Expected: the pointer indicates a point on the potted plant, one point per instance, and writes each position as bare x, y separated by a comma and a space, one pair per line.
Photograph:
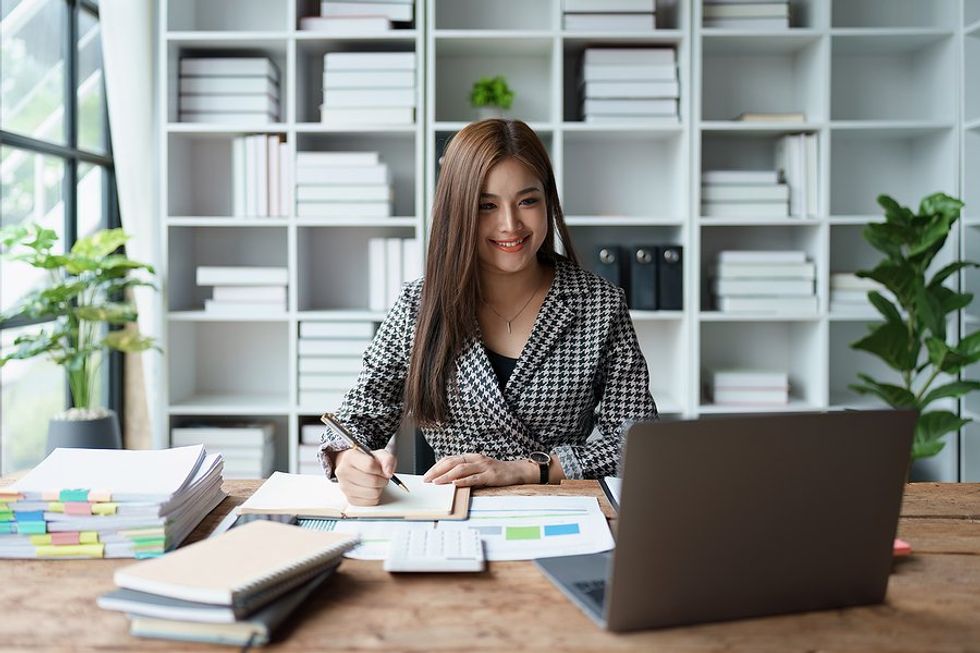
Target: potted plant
912, 338
491, 97
82, 296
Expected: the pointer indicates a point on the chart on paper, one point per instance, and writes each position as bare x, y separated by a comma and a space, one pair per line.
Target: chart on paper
524, 528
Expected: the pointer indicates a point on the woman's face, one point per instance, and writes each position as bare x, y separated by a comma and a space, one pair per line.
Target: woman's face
513, 218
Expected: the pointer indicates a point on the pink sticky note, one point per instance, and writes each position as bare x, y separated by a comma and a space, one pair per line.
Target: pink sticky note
902, 548
78, 508
64, 538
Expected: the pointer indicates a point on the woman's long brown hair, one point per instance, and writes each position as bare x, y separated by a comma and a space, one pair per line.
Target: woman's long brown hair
450, 293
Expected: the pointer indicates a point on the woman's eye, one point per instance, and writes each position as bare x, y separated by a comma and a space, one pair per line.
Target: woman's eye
530, 201
487, 206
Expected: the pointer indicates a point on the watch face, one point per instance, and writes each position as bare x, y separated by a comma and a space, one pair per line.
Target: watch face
540, 457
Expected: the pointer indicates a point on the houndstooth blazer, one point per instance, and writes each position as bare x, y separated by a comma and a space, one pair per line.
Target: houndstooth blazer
581, 368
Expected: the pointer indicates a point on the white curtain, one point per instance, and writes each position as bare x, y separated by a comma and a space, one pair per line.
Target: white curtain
128, 46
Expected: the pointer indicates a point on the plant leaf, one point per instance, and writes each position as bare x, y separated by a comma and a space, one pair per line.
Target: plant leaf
100, 244
113, 313
894, 395
933, 425
889, 342
954, 389
127, 340
884, 306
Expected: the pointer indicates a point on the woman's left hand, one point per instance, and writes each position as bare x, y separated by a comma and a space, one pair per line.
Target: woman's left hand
477, 470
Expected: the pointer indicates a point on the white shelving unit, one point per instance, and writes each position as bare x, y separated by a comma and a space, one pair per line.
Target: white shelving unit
873, 77
226, 367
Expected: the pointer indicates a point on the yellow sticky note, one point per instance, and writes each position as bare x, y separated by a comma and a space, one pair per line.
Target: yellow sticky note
104, 508
71, 551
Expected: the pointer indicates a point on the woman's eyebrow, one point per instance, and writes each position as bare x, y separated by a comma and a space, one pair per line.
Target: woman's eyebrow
520, 192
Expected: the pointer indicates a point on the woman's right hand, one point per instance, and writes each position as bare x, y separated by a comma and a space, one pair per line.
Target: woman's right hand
362, 478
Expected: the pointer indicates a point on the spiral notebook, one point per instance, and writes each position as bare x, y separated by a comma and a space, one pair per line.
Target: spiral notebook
245, 567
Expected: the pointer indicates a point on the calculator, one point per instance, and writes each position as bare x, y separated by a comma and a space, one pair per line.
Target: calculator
450, 549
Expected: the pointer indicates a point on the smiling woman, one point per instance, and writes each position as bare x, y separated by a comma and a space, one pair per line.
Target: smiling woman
507, 353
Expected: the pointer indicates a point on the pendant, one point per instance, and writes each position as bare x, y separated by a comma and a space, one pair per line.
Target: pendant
508, 328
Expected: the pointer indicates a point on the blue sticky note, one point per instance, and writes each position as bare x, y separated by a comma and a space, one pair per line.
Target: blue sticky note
561, 529
34, 515
73, 495
32, 528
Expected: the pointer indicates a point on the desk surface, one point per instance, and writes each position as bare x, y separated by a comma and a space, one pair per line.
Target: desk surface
933, 601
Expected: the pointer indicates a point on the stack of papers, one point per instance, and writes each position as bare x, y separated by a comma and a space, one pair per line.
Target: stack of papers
108, 503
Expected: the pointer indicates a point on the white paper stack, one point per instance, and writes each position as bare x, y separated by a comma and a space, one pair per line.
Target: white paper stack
330, 360
108, 503
849, 293
609, 15
244, 290
360, 17
369, 88
796, 159
744, 194
243, 90
749, 388
629, 84
764, 281
392, 262
248, 449
260, 176
342, 185
746, 14
309, 448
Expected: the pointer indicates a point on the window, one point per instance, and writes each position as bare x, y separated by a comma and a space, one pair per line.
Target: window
56, 169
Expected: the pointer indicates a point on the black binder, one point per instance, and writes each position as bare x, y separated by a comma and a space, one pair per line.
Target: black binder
670, 269
643, 278
610, 264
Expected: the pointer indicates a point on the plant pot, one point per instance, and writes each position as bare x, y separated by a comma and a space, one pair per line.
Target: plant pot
76, 430
484, 113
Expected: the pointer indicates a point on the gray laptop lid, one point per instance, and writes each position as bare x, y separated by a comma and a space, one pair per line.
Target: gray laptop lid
756, 515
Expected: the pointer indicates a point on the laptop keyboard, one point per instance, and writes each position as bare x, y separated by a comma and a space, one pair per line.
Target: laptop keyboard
594, 589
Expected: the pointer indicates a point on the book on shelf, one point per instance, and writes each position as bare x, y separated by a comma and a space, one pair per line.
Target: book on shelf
225, 86
638, 120
223, 435
747, 23
259, 169
411, 260
764, 270
791, 160
377, 274
774, 209
745, 193
345, 24
761, 256
262, 294
336, 329
368, 61
309, 435
749, 177
853, 296
630, 56
850, 281
313, 209
345, 193
610, 22
329, 364
394, 270
762, 287
343, 98
749, 378
337, 159
383, 116
609, 6
628, 72
757, 397
746, 10
243, 308
340, 382
767, 304
333, 346
342, 174
651, 107
392, 262
632, 89
755, 116
257, 103
229, 67
393, 11
214, 275
394, 79
244, 118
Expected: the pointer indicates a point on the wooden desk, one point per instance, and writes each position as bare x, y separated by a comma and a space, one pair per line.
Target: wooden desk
933, 601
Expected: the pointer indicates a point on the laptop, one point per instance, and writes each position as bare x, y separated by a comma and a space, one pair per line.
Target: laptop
727, 518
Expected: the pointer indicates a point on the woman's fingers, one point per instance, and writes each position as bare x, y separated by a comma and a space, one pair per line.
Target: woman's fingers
460, 471
443, 466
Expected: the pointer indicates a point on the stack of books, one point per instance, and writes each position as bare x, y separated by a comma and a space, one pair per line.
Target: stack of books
330, 360
359, 17
368, 88
244, 290
392, 262
248, 450
260, 176
629, 84
609, 15
342, 185
764, 281
309, 448
796, 159
233, 588
748, 194
849, 293
243, 90
108, 503
746, 14
752, 388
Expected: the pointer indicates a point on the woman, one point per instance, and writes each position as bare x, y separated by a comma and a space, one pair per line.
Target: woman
507, 353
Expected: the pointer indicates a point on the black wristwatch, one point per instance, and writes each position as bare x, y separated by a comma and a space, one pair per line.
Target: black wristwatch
543, 461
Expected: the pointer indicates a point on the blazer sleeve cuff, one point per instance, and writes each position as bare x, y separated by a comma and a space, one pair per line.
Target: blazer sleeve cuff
330, 446
568, 461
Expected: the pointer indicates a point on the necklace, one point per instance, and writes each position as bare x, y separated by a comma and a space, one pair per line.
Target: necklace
509, 331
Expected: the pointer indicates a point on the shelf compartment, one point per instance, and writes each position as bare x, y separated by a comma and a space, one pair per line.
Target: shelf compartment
190, 247
510, 15
307, 8
971, 89
768, 75
228, 15
795, 347
971, 172
664, 346
527, 64
228, 367
587, 240
280, 433
865, 164
624, 174
894, 13
892, 76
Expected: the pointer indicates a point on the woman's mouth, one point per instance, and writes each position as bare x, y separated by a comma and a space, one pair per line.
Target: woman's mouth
513, 245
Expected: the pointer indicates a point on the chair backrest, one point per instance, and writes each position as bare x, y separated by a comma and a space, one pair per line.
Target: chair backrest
425, 457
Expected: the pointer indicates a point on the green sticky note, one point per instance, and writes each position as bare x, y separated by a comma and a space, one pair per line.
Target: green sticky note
73, 495
523, 533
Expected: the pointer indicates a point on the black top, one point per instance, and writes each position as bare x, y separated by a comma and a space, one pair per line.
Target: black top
502, 366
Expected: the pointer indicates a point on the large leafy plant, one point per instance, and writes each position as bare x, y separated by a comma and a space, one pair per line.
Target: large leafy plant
82, 295
912, 339
492, 92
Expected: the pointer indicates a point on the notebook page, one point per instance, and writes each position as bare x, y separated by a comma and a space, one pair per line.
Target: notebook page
424, 498
297, 494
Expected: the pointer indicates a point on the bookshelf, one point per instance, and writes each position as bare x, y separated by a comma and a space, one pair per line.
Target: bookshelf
864, 72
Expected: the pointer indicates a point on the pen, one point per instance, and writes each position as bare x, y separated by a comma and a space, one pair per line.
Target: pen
333, 423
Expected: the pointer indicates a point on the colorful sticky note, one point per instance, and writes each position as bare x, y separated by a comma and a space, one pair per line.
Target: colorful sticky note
33, 515
31, 527
561, 529
523, 533
88, 537
104, 508
71, 551
73, 495
78, 508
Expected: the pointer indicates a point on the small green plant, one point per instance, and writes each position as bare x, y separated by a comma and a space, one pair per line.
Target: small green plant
912, 339
492, 92
80, 293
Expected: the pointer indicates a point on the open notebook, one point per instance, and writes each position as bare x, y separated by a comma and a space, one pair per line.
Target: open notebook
313, 495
